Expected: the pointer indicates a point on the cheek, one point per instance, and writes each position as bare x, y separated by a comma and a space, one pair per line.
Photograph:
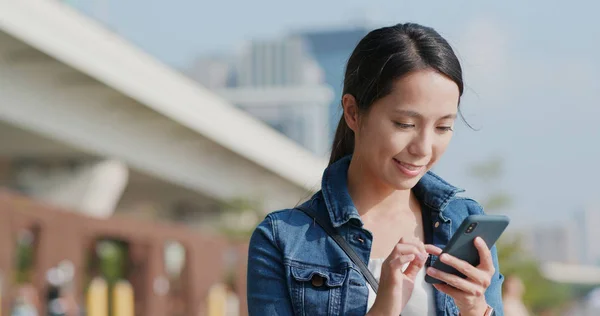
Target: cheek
370, 137
439, 148
385, 142
398, 142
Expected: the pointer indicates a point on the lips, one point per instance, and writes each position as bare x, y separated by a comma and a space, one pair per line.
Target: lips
408, 165
409, 169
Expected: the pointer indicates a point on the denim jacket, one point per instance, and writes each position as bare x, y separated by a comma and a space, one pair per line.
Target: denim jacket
294, 268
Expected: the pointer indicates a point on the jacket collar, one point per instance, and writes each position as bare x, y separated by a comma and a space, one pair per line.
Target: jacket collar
431, 190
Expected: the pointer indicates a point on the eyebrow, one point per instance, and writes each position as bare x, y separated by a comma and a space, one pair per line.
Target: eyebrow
410, 113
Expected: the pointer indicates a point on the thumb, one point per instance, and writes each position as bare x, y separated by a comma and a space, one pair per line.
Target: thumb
415, 266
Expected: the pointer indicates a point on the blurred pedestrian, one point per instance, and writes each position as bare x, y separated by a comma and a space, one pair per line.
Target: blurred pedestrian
513, 292
26, 301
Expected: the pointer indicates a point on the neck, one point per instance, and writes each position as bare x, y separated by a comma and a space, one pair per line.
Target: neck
371, 195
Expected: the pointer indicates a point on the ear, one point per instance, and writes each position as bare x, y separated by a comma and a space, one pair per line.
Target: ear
350, 111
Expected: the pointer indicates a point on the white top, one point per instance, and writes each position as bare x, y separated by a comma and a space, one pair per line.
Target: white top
421, 301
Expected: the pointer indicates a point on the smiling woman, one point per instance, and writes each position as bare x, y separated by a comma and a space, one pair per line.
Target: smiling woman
408, 130
381, 211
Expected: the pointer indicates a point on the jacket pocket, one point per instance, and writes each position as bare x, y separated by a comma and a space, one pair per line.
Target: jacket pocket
316, 290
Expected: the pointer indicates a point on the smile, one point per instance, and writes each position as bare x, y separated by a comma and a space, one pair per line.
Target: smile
407, 169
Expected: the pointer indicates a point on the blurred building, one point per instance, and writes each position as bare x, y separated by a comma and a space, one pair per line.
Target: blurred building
293, 83
91, 123
588, 221
278, 62
574, 240
554, 243
213, 72
331, 49
276, 81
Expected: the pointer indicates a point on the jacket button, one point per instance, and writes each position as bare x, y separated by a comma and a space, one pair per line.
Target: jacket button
317, 280
437, 224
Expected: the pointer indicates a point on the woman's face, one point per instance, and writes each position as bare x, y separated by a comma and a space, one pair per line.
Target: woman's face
404, 134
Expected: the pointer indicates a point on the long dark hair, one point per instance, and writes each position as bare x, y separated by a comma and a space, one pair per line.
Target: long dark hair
383, 56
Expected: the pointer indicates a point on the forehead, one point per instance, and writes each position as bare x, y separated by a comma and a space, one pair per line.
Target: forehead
426, 92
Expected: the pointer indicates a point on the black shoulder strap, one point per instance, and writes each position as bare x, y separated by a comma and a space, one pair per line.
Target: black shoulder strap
325, 224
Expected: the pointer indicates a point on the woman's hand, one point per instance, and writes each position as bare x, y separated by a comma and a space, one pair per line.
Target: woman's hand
469, 293
396, 286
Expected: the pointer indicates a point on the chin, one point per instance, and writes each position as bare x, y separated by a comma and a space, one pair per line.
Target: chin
406, 183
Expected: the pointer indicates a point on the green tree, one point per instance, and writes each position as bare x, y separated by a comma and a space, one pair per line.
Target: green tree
541, 294
239, 218
489, 173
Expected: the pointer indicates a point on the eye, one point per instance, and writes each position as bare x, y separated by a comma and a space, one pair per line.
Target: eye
403, 125
445, 128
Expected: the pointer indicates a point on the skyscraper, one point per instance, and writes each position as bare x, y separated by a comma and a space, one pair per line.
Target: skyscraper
278, 82
280, 62
588, 219
331, 49
556, 243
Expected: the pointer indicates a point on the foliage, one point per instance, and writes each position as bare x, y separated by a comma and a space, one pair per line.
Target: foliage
541, 294
24, 263
239, 218
489, 173
112, 256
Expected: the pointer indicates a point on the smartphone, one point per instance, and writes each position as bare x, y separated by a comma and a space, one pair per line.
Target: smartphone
462, 243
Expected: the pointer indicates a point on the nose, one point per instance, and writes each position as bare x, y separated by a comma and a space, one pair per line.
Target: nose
421, 144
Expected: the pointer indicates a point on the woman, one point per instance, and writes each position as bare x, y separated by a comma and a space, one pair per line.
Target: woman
401, 94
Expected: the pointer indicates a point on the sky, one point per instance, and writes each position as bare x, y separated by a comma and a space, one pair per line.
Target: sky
531, 70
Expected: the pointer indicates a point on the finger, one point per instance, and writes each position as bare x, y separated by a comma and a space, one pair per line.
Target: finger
444, 288
471, 272
433, 250
456, 282
414, 267
413, 241
485, 255
398, 262
405, 249
399, 255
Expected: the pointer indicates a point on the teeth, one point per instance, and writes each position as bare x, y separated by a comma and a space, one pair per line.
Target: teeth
409, 167
412, 168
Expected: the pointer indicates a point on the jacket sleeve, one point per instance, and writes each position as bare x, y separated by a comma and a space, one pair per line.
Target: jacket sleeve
266, 290
493, 295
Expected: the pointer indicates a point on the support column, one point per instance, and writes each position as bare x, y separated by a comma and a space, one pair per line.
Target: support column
157, 280
206, 266
241, 277
7, 254
90, 188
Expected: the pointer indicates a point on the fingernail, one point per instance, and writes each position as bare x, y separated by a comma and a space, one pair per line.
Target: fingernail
431, 271
444, 257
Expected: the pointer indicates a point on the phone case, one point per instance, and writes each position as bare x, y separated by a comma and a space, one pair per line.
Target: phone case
489, 228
